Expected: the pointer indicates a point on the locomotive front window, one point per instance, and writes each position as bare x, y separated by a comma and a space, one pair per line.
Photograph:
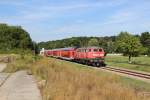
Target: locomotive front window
95, 50
100, 50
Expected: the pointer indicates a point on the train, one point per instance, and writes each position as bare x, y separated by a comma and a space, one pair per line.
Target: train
94, 56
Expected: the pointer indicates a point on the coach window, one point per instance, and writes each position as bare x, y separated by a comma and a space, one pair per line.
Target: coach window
83, 50
87, 50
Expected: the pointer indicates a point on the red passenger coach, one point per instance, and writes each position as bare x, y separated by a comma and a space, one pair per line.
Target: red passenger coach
67, 53
64, 53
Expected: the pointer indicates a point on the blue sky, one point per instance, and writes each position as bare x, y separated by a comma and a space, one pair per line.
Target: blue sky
56, 19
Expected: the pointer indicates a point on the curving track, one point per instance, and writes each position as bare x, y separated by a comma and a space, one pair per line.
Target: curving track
128, 72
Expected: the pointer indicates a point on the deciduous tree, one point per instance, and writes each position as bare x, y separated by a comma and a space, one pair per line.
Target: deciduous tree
128, 45
14, 37
93, 42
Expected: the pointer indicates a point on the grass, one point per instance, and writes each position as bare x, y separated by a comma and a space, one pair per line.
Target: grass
19, 63
141, 63
136, 84
70, 81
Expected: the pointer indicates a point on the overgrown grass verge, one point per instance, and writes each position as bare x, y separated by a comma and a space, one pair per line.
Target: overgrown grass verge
20, 63
68, 81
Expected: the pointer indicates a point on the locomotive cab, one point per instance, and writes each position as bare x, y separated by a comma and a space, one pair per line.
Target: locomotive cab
96, 56
95, 53
91, 55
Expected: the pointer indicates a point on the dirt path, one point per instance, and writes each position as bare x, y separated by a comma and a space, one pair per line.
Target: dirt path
18, 86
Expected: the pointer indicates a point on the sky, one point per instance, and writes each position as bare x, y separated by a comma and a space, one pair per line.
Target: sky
57, 19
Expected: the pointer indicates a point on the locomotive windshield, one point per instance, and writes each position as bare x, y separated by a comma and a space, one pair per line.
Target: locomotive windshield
100, 50
95, 50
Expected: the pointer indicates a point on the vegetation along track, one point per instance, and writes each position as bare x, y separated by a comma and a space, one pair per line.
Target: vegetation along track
124, 71
128, 72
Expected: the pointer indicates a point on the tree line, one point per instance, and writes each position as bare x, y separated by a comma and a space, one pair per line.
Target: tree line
14, 39
104, 42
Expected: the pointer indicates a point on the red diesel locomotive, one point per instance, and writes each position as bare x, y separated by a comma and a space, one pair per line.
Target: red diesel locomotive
89, 55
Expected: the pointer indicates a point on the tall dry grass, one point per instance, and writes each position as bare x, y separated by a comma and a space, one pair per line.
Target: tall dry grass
65, 81
19, 63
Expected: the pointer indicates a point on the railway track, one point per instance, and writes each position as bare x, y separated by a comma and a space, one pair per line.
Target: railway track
128, 72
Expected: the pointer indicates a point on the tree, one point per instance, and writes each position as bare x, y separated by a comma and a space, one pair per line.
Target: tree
145, 40
128, 45
110, 47
93, 42
13, 38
